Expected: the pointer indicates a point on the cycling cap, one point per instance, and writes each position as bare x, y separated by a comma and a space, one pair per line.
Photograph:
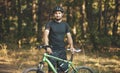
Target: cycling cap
58, 8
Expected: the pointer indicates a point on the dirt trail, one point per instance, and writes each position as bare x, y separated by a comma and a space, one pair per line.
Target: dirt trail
6, 67
16, 62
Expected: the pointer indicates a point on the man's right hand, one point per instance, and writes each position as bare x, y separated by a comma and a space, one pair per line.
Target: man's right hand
49, 51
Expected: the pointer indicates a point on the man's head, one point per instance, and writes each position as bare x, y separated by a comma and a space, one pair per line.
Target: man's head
58, 13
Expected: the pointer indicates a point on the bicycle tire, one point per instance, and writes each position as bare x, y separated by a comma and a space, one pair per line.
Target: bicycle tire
32, 70
83, 69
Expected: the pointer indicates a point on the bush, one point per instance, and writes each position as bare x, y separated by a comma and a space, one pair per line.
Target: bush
116, 41
103, 41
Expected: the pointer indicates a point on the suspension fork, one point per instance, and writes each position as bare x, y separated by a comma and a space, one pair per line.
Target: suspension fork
41, 65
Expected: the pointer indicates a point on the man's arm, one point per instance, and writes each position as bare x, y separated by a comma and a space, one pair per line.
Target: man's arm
70, 41
45, 37
46, 40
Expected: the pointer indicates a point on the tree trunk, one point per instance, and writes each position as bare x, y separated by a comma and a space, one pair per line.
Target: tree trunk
40, 16
68, 13
89, 15
100, 15
116, 22
82, 19
1, 30
19, 32
7, 22
105, 17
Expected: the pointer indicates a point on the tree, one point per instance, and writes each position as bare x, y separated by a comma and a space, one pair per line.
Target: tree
1, 19
116, 21
106, 18
100, 16
90, 20
40, 18
115, 31
19, 14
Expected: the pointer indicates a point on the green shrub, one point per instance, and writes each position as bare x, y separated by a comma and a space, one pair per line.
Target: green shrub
103, 41
116, 41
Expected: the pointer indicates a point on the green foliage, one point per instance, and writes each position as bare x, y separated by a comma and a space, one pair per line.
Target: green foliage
116, 40
103, 41
25, 18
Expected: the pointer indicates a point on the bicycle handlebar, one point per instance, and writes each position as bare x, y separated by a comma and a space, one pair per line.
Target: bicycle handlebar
75, 50
46, 46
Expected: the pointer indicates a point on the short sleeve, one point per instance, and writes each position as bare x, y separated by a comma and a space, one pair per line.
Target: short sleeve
47, 26
67, 28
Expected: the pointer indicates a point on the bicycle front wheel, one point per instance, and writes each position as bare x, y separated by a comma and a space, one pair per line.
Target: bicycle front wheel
33, 70
82, 69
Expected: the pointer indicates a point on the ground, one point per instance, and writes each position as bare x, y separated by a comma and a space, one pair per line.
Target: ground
6, 67
15, 61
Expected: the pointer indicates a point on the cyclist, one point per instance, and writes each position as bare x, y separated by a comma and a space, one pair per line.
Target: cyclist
54, 34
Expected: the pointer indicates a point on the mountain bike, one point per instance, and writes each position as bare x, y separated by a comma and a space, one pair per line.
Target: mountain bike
70, 66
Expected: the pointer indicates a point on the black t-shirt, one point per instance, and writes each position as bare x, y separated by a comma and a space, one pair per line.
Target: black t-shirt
57, 33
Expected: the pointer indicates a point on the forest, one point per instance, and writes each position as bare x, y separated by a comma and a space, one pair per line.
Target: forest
94, 24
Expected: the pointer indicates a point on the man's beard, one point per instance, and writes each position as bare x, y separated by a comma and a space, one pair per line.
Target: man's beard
58, 19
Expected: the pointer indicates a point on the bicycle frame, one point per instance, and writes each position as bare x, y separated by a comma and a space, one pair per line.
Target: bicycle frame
45, 59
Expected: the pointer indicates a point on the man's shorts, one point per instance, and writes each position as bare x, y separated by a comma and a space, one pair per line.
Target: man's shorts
60, 54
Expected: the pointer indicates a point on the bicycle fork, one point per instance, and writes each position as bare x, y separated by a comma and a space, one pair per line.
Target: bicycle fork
40, 66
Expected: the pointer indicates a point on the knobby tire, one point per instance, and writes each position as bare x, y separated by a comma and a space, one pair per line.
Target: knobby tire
83, 69
32, 70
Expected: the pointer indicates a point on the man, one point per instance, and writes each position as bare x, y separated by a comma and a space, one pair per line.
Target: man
54, 35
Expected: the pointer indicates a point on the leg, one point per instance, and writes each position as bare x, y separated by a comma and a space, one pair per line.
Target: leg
53, 61
64, 66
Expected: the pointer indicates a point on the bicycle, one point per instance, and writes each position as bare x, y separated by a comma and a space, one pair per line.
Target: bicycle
70, 69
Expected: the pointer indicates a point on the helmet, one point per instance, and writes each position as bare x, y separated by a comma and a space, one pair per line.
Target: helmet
58, 8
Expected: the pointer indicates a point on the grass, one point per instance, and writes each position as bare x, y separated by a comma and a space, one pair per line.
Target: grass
16, 60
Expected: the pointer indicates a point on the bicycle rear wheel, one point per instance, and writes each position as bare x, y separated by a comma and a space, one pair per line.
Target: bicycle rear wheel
83, 69
33, 70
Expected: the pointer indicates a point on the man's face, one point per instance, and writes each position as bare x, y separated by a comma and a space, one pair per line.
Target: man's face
58, 15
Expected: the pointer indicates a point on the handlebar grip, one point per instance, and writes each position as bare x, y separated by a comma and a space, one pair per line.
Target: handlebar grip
76, 50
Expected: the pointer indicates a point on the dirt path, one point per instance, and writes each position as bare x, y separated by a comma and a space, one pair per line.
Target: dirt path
16, 61
6, 67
